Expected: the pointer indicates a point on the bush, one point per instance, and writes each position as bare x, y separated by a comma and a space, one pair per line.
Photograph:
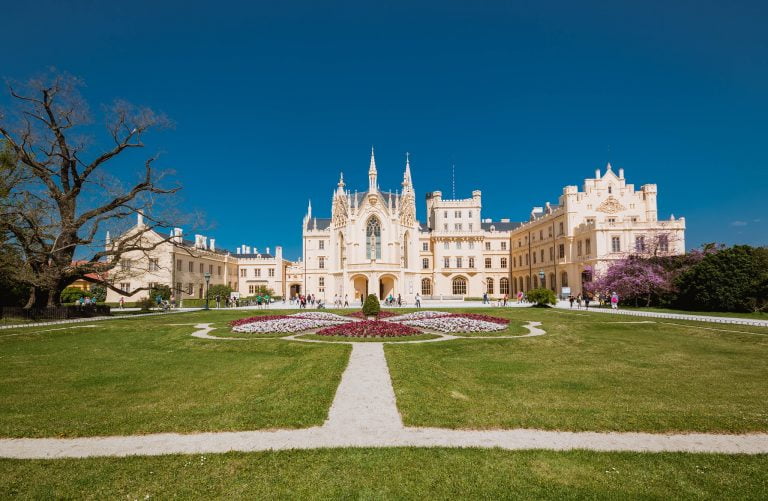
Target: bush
542, 297
160, 290
73, 294
371, 307
145, 304
99, 293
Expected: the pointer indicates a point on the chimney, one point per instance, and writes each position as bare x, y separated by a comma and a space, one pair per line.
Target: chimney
597, 173
278, 252
237, 251
139, 218
267, 250
213, 244
178, 235
203, 242
621, 173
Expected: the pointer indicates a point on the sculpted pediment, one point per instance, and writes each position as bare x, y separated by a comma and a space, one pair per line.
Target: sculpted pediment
611, 206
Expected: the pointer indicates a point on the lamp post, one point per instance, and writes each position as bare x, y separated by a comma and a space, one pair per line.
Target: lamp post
541, 278
207, 279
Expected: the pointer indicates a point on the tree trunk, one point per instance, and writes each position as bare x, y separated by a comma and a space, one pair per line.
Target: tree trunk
32, 297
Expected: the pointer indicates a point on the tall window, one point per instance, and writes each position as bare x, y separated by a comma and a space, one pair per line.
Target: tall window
640, 244
459, 262
560, 228
373, 239
504, 286
615, 244
191, 268
489, 286
471, 262
243, 271
257, 272
446, 245
446, 262
125, 264
321, 284
271, 272
426, 287
457, 214
487, 245
458, 245
178, 264
503, 245
503, 262
202, 268
459, 286
405, 249
425, 246
579, 248
425, 263
663, 243
588, 246
321, 244
487, 263
564, 279
471, 244
321, 262
154, 264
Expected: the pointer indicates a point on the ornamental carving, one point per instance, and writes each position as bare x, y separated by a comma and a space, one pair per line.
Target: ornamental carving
611, 206
408, 210
339, 211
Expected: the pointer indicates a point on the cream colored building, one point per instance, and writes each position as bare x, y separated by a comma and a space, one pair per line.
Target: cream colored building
372, 243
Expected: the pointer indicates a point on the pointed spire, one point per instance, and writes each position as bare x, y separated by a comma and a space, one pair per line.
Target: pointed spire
341, 180
372, 173
309, 209
407, 183
108, 239
608, 167
139, 218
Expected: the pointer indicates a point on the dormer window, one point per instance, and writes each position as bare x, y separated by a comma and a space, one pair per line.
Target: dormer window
610, 189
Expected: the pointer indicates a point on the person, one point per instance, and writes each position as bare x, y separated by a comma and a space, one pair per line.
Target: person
159, 300
571, 299
505, 299
587, 299
218, 301
614, 301
485, 298
346, 300
519, 297
399, 300
122, 302
173, 301
267, 300
418, 300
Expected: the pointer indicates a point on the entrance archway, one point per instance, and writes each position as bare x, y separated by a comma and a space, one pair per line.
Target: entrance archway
386, 286
295, 290
360, 286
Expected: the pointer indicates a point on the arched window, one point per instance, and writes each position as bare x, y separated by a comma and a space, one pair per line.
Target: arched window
552, 284
373, 239
543, 281
459, 286
504, 286
535, 281
564, 279
489, 286
342, 251
426, 287
527, 283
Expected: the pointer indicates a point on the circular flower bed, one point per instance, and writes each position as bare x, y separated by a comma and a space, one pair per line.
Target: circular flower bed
369, 328
452, 322
286, 323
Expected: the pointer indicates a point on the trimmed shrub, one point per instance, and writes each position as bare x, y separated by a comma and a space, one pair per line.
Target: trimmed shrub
222, 291
145, 304
99, 293
542, 297
73, 294
371, 307
160, 290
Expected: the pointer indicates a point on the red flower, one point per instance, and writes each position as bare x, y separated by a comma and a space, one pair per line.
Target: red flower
369, 328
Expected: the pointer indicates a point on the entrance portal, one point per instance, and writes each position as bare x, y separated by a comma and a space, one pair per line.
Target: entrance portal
295, 290
386, 286
360, 285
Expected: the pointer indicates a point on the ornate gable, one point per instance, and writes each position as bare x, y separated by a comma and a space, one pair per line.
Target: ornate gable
611, 206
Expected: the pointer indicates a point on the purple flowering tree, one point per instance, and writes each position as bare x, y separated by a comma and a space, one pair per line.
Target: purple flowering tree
633, 279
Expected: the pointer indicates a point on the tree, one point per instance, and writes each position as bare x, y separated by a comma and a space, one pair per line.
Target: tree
223, 291
371, 307
73, 294
734, 279
99, 293
542, 297
58, 198
633, 278
160, 290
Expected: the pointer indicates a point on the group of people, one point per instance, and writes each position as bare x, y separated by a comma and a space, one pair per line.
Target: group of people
392, 301
338, 302
602, 299
500, 301
303, 300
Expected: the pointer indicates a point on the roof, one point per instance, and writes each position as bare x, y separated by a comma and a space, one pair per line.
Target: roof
500, 226
323, 223
254, 255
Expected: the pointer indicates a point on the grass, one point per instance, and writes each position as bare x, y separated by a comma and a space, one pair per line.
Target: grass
143, 375
401, 339
589, 373
398, 473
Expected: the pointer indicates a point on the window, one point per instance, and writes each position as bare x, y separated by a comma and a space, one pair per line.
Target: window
459, 286
321, 262
154, 264
541, 234
190, 288
125, 264
610, 189
590, 220
504, 286
564, 279
202, 268
470, 226
471, 262
457, 214
579, 248
426, 287
271, 272
178, 266
256, 272
219, 271
321, 284
210, 269
457, 226
640, 244
588, 246
445, 226
487, 245
251, 289
471, 245
551, 253
615, 244
541, 253
526, 259
243, 272
503, 245
446, 246
125, 286
611, 221
191, 268
534, 257
549, 232
663, 243
425, 246
503, 262
321, 244
373, 239
458, 245
469, 214
425, 263
489, 286
179, 290
560, 229
459, 262
446, 262
445, 214
561, 251
487, 263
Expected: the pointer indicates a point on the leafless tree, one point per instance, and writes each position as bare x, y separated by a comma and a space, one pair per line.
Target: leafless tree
59, 198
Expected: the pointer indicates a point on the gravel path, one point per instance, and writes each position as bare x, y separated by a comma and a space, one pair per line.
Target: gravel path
673, 316
364, 414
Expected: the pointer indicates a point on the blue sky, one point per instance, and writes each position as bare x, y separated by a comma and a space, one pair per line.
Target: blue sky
272, 99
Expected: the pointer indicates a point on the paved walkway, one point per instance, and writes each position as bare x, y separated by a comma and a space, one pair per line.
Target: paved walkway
564, 305
364, 414
95, 319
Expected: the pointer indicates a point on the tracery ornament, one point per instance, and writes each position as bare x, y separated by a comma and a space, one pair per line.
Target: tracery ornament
339, 211
407, 210
611, 206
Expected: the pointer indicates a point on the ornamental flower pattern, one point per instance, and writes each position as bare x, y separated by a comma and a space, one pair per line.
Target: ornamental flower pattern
369, 328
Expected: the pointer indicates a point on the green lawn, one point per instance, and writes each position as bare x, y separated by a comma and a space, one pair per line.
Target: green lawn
747, 315
590, 372
392, 474
143, 375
